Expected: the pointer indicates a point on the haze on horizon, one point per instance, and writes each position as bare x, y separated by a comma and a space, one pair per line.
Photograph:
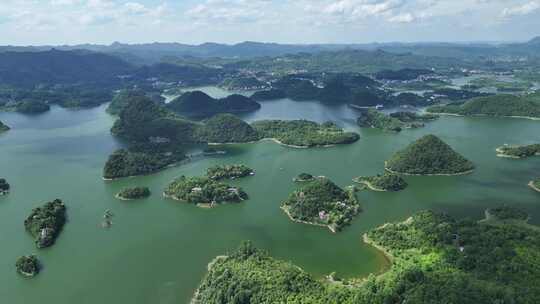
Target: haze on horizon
55, 22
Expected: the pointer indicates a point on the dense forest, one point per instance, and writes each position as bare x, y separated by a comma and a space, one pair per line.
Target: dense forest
519, 151
226, 128
27, 265
203, 190
134, 162
198, 104
383, 182
435, 259
428, 155
45, 223
219, 172
133, 193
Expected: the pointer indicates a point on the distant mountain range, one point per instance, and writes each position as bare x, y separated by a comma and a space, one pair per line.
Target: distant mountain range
155, 52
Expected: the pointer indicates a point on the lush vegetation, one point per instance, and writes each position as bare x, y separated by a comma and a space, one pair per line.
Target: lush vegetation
226, 128
133, 193
45, 223
124, 97
371, 118
322, 202
199, 104
4, 186
3, 127
412, 117
271, 94
126, 163
536, 184
497, 105
27, 265
304, 133
507, 213
220, 172
429, 155
304, 177
30, 107
384, 182
519, 151
203, 190
435, 259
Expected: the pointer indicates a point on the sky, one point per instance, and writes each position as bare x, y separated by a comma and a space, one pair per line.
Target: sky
58, 22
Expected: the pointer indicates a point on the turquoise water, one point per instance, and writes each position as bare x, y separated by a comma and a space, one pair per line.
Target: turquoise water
157, 250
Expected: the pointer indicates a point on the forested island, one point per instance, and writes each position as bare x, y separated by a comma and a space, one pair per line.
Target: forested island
3, 127
226, 128
27, 265
220, 172
126, 163
535, 185
518, 151
524, 106
303, 133
383, 182
124, 97
4, 186
198, 104
321, 202
203, 191
133, 193
303, 177
45, 223
433, 257
396, 122
428, 155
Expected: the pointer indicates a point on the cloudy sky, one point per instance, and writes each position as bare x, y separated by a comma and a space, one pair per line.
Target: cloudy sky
25, 22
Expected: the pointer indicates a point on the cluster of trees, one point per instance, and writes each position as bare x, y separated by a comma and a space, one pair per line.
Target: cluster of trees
136, 161
496, 105
428, 155
226, 128
323, 202
271, 94
304, 133
304, 177
520, 151
384, 182
134, 193
436, 259
27, 265
508, 213
371, 118
203, 190
4, 186
199, 104
45, 223
536, 183
413, 117
123, 98
220, 172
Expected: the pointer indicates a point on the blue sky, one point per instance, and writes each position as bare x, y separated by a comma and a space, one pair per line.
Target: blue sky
25, 22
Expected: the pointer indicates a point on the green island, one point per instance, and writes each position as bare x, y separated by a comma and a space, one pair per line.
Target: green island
535, 185
128, 163
303, 133
396, 122
429, 155
45, 223
303, 177
124, 97
503, 105
203, 191
433, 256
518, 151
383, 182
27, 265
199, 104
4, 186
3, 127
220, 172
133, 193
322, 203
226, 128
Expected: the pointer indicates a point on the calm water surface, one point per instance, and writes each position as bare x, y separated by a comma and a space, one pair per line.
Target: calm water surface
157, 250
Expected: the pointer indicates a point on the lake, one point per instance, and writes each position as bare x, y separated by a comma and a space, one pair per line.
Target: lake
157, 249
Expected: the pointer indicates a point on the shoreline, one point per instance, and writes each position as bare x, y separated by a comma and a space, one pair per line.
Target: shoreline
531, 184
275, 140
368, 184
486, 115
501, 153
432, 174
286, 210
383, 250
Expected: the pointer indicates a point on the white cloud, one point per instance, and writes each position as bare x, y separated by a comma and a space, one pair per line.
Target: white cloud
522, 9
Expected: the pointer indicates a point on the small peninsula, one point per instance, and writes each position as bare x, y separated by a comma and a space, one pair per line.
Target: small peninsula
322, 203
126, 163
385, 182
133, 193
3, 127
220, 172
502, 105
4, 186
518, 152
535, 185
304, 133
28, 265
303, 177
45, 223
429, 155
395, 122
203, 191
